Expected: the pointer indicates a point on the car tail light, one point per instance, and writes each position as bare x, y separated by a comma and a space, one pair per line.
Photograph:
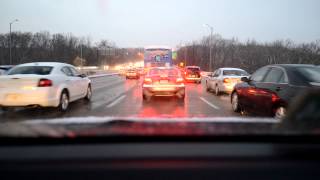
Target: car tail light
147, 80
44, 83
226, 80
179, 80
274, 97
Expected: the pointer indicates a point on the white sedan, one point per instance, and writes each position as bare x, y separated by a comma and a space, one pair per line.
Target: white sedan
43, 84
224, 79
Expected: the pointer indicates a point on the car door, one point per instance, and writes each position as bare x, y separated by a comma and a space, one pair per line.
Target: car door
70, 82
250, 93
275, 83
210, 79
79, 82
215, 78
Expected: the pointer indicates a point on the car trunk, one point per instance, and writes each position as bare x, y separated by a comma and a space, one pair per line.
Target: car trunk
19, 81
164, 80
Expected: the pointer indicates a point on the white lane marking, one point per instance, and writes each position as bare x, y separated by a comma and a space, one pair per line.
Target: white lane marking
116, 101
209, 103
93, 120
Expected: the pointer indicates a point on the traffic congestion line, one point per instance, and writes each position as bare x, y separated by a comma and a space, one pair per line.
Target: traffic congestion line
116, 101
210, 104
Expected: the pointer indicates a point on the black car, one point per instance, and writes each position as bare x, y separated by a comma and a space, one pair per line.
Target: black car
270, 89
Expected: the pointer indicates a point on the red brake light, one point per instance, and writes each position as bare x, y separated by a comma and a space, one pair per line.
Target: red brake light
45, 83
147, 80
227, 80
274, 97
179, 80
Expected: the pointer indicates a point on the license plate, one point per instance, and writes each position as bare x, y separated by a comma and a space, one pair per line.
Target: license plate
13, 97
163, 81
193, 76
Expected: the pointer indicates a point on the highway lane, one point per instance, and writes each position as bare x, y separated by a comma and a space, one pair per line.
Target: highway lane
116, 97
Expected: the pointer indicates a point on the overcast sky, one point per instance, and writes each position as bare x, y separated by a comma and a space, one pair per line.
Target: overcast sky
132, 23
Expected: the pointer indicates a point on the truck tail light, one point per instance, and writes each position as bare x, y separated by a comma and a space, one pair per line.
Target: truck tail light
45, 83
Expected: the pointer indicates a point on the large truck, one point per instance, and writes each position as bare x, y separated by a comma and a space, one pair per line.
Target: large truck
157, 56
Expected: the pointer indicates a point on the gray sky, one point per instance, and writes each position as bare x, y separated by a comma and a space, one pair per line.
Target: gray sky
132, 23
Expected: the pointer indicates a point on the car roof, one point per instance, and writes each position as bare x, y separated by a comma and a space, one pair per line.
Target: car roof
293, 65
45, 64
232, 69
163, 68
192, 67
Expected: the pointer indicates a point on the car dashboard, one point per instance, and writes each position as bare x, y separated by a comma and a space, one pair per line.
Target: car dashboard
243, 157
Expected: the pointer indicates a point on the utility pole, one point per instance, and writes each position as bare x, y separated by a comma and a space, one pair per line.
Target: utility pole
10, 54
211, 38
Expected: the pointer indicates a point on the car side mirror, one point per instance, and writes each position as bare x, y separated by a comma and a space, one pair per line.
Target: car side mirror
245, 79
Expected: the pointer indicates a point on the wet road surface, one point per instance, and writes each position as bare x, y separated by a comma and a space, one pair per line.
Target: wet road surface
114, 96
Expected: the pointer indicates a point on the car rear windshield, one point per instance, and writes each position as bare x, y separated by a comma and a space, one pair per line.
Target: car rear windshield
311, 74
234, 73
38, 70
168, 72
193, 69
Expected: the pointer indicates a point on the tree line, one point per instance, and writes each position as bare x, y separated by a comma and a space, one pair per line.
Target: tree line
43, 46
248, 55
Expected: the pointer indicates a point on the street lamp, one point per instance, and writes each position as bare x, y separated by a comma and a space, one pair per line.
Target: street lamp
211, 34
16, 20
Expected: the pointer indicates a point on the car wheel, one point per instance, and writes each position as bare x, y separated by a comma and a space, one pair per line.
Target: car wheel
64, 101
146, 98
89, 94
181, 98
217, 91
280, 112
235, 102
207, 87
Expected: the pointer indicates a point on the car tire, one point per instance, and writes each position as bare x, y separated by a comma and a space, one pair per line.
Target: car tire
146, 98
64, 101
207, 88
216, 91
89, 94
280, 112
235, 102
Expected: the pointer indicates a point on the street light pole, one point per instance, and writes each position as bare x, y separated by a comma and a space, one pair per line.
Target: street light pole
16, 20
211, 38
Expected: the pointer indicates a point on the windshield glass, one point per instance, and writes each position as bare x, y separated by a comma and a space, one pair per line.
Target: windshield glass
137, 67
312, 74
38, 70
234, 73
193, 69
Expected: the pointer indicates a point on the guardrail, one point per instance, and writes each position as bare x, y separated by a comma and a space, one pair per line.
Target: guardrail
103, 75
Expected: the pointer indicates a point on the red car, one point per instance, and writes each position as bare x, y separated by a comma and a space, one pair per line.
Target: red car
163, 81
192, 74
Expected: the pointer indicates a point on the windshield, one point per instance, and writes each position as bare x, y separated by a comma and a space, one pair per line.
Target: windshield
136, 67
193, 69
312, 74
38, 70
234, 73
